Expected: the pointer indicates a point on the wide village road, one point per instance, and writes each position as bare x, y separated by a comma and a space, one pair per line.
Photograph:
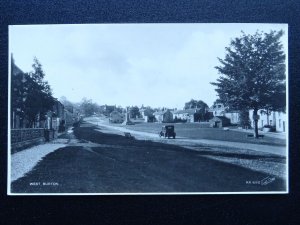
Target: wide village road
267, 158
186, 141
94, 159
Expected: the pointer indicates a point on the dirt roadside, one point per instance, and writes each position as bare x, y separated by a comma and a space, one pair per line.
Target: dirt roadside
262, 158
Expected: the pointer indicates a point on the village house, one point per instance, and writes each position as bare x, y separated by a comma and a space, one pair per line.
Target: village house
54, 117
15, 118
116, 117
18, 119
163, 116
69, 116
147, 114
272, 118
219, 121
277, 120
264, 118
58, 115
281, 121
189, 115
233, 116
45, 125
219, 109
107, 109
59, 118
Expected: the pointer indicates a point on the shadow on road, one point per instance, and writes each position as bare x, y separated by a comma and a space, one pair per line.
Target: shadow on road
138, 166
87, 133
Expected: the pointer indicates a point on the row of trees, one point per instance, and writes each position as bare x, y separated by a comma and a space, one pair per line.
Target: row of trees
253, 74
87, 107
31, 95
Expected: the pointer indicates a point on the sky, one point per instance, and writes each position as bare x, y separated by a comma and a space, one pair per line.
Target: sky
157, 65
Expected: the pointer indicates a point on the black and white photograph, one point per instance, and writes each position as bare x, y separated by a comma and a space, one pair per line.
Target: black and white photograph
148, 108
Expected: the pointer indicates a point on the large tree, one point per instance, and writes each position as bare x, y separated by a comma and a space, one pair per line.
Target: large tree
253, 74
134, 112
192, 104
37, 95
88, 107
201, 107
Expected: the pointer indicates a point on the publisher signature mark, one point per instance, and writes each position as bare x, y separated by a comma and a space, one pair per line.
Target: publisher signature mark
265, 181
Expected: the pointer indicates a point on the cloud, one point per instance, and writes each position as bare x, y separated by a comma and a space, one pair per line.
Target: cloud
129, 64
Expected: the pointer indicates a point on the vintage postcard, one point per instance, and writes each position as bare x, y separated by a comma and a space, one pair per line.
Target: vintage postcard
136, 109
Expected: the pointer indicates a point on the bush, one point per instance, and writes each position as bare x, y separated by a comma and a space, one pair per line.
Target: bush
272, 128
179, 120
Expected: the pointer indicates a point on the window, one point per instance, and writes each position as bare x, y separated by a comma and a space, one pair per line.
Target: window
271, 122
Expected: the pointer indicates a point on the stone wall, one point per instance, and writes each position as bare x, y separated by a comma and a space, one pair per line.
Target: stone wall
20, 135
24, 138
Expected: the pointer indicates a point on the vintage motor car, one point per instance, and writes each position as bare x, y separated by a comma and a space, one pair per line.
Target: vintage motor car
167, 131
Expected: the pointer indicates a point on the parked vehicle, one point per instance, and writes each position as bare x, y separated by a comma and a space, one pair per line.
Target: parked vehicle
167, 131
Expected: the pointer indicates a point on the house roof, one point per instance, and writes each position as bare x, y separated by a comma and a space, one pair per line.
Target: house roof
220, 118
16, 70
146, 110
115, 112
190, 111
160, 112
222, 108
233, 111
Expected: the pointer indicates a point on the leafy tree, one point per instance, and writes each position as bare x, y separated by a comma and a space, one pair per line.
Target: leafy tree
217, 101
88, 107
148, 111
120, 109
244, 119
134, 112
37, 98
192, 104
201, 109
253, 74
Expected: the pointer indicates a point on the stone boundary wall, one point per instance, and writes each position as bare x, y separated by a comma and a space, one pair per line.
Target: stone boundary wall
20, 135
24, 138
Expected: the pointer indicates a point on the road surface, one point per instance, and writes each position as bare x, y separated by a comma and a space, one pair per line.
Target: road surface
96, 160
189, 142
